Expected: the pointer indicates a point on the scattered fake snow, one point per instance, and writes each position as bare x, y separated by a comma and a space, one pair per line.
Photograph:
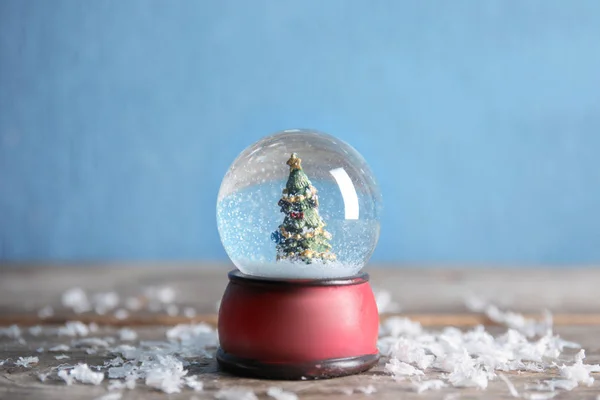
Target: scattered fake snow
65, 376
370, 389
74, 328
400, 369
384, 301
161, 364
93, 342
396, 326
59, 348
105, 302
12, 332
36, 330
579, 372
81, 373
46, 312
518, 322
26, 362
133, 303
77, 300
467, 359
164, 373
42, 377
126, 334
62, 357
159, 296
235, 394
121, 314
279, 394
193, 383
172, 310
202, 335
555, 384
475, 357
189, 312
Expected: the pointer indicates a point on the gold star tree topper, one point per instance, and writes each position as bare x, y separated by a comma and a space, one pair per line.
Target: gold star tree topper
294, 162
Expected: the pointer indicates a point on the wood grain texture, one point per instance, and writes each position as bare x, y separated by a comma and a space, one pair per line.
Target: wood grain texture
424, 290
20, 383
432, 297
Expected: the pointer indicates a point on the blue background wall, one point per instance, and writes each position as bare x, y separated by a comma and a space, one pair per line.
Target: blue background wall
481, 119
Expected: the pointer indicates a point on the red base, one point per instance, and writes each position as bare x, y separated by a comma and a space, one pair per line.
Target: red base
293, 329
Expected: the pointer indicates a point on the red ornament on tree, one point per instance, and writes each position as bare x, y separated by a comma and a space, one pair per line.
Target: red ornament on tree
297, 214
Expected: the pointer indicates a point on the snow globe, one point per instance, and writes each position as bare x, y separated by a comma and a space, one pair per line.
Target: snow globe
298, 215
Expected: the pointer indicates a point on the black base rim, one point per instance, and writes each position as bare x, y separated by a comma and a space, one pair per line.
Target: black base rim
237, 276
323, 369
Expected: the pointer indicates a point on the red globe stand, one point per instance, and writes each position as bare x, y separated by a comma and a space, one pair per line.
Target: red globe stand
297, 329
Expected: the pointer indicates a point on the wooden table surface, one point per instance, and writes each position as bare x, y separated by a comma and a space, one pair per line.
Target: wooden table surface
433, 297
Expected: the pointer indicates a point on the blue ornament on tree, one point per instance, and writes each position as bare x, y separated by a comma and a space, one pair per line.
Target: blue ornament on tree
277, 237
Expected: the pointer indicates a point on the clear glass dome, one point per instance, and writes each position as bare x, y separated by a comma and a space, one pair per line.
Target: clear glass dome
299, 204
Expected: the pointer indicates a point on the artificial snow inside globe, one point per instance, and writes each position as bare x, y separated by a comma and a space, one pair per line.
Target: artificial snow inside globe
299, 204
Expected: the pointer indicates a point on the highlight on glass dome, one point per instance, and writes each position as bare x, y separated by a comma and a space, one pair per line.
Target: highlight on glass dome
299, 204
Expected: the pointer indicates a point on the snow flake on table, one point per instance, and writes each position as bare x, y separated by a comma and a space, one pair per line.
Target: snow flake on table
46, 312
121, 314
164, 373
12, 332
59, 348
105, 302
81, 373
236, 393
369, 389
74, 328
400, 369
279, 394
384, 301
35, 330
126, 334
579, 372
472, 358
162, 364
152, 298
529, 327
26, 362
77, 300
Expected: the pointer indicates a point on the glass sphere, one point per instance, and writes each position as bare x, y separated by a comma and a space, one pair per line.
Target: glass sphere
299, 204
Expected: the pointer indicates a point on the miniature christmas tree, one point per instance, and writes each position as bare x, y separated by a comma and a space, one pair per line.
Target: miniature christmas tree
301, 236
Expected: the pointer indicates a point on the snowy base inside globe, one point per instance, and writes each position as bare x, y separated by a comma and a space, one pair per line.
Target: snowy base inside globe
285, 269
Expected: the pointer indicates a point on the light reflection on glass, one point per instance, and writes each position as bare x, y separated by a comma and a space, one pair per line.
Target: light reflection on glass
348, 191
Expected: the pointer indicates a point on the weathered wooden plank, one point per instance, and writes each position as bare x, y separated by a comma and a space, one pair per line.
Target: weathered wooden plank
136, 319
416, 290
